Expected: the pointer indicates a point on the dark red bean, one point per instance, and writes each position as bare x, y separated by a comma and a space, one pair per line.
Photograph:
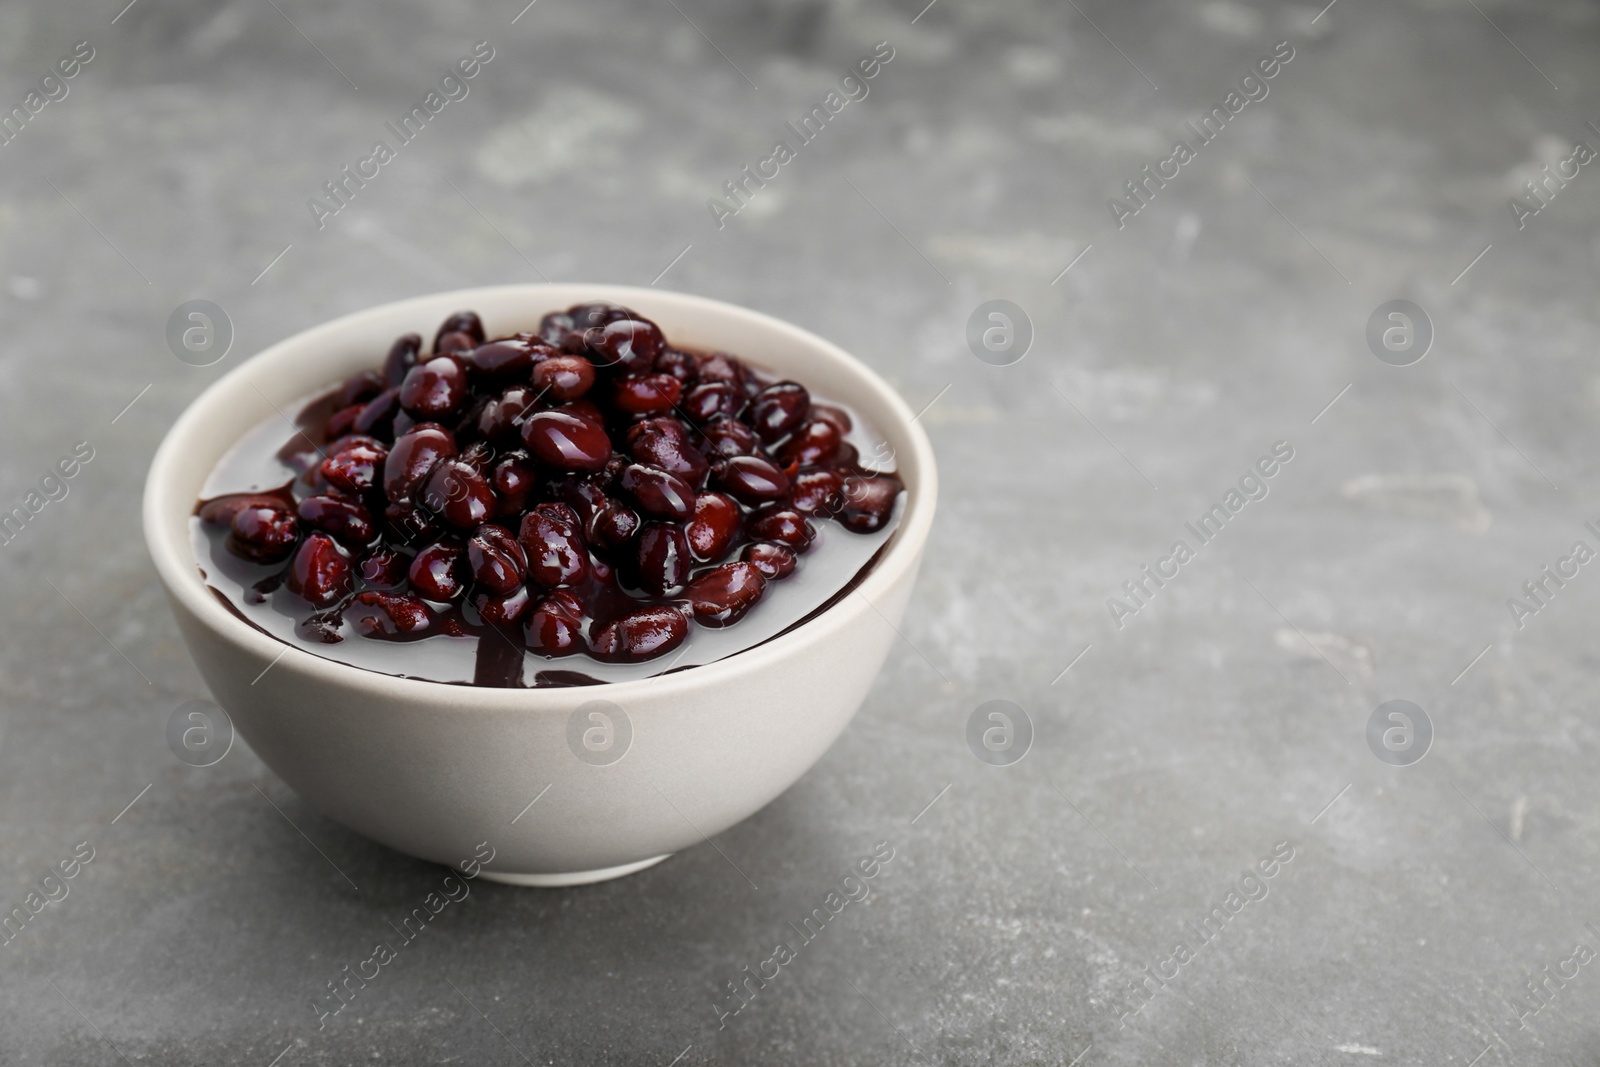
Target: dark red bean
458, 494
411, 524
355, 468
721, 367
774, 561
722, 596
814, 443
614, 526
664, 443
662, 566
632, 344
646, 394
502, 417
435, 388
565, 441
478, 455
512, 479
401, 358
377, 418
496, 559
439, 571
714, 526
501, 608
384, 568
320, 572
751, 479
684, 366
778, 410
555, 625
466, 322
564, 377
263, 531
599, 313
656, 492
502, 360
711, 400
349, 521
730, 437
554, 544
585, 498
836, 417
868, 501
817, 492
785, 525
644, 634
359, 388
376, 614
413, 457
342, 421
219, 511
555, 327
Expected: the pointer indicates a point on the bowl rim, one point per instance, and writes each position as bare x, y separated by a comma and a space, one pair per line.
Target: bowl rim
179, 572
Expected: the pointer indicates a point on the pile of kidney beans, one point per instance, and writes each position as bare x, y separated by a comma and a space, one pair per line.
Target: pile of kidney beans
588, 485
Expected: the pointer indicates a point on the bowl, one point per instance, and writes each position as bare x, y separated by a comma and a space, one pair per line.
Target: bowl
563, 785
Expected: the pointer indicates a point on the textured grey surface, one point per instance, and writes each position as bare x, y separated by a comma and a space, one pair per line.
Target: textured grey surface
1221, 720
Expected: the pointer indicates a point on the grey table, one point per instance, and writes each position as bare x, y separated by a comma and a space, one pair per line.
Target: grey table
1180, 741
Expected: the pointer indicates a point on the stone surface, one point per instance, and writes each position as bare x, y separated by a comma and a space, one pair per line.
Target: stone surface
1227, 715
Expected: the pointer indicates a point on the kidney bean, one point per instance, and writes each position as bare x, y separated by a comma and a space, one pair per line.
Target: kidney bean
714, 526
501, 418
554, 544
784, 525
721, 367
656, 492
641, 635
683, 366
778, 410
664, 443
263, 530
645, 394
401, 358
496, 559
555, 625
439, 572
613, 526
836, 417
662, 564
458, 494
359, 388
564, 377
817, 492
502, 360
751, 479
512, 479
354, 467
711, 400
376, 614
868, 501
724, 595
501, 608
377, 418
348, 521
434, 389
413, 457
774, 561
730, 437
813, 443
319, 572
384, 568
632, 344
466, 322
565, 441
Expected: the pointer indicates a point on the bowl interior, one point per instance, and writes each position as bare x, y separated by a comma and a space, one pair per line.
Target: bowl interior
273, 381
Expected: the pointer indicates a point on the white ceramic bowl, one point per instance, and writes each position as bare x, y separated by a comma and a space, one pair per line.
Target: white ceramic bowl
434, 770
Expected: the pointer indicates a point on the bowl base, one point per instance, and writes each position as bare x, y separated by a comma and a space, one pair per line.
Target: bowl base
555, 881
